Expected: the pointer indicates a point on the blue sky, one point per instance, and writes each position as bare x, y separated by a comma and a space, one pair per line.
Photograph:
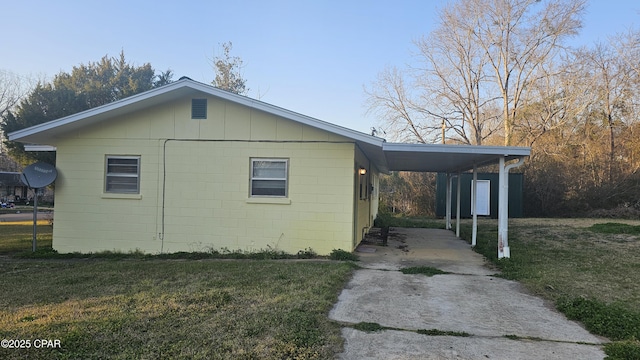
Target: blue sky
312, 57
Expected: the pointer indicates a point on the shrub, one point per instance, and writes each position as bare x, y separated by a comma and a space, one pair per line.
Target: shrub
383, 220
307, 253
337, 254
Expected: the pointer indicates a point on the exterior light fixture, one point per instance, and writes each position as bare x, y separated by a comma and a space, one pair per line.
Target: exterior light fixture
362, 171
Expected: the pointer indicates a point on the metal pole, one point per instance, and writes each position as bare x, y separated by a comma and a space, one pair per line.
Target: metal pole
458, 204
502, 211
505, 219
474, 206
35, 219
448, 206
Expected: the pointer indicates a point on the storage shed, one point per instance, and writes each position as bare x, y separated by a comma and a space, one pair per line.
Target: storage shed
487, 195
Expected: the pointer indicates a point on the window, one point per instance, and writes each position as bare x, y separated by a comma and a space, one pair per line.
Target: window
269, 177
198, 108
122, 174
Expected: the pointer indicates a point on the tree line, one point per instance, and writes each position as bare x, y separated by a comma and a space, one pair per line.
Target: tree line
25, 102
503, 72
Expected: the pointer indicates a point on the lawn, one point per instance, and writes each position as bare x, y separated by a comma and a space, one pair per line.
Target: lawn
590, 268
146, 307
569, 258
17, 237
124, 308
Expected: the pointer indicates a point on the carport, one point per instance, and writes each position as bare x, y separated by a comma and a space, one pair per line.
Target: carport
454, 160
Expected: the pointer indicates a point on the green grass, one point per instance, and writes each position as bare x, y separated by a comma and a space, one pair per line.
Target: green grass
17, 238
425, 270
615, 228
268, 254
411, 222
369, 327
623, 350
436, 332
123, 306
590, 270
342, 255
242, 309
375, 327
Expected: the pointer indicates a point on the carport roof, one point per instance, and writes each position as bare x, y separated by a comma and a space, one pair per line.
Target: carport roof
446, 158
384, 156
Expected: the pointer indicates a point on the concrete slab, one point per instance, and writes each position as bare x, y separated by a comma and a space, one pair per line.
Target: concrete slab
468, 300
426, 247
391, 345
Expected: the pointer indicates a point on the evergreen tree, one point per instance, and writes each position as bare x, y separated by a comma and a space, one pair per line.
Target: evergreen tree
87, 86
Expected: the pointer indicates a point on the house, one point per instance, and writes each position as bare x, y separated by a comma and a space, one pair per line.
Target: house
487, 199
11, 187
189, 167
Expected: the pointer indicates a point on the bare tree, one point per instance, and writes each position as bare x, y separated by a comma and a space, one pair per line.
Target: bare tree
518, 37
627, 46
555, 101
13, 88
227, 69
456, 82
391, 101
479, 64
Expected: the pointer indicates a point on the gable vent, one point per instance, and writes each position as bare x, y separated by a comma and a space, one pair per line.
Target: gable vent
198, 108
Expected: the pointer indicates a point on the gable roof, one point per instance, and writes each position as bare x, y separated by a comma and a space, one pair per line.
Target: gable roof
42, 134
384, 156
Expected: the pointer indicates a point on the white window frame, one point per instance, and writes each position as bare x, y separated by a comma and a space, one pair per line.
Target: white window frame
253, 178
110, 176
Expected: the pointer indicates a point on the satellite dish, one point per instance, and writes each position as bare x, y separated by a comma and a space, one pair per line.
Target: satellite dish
38, 175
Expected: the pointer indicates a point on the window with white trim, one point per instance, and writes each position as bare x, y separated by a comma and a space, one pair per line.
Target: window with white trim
269, 177
122, 174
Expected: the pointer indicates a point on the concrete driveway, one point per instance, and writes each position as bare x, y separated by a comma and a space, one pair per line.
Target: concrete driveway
468, 300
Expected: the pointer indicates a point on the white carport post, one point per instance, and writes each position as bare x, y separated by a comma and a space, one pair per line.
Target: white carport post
503, 207
503, 215
448, 200
458, 205
474, 206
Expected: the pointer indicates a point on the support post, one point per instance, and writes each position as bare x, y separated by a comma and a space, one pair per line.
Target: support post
474, 206
502, 213
448, 200
458, 204
35, 220
503, 208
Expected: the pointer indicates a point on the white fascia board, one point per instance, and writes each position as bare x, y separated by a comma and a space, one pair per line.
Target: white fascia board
19, 134
37, 148
188, 83
459, 149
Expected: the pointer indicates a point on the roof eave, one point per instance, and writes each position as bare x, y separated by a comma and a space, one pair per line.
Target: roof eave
31, 133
